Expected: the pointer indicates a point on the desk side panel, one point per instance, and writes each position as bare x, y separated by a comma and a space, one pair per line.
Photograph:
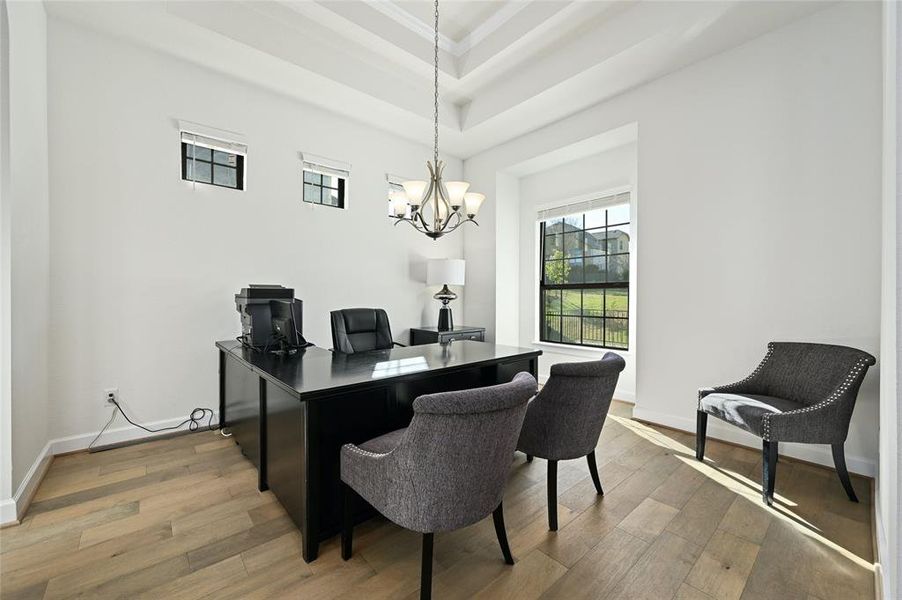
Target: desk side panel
286, 442
242, 407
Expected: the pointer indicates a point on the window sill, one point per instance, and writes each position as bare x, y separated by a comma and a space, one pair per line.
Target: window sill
578, 350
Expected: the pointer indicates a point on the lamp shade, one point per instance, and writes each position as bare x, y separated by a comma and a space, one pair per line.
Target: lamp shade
443, 271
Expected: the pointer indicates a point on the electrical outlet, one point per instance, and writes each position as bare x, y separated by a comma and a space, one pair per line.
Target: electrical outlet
110, 396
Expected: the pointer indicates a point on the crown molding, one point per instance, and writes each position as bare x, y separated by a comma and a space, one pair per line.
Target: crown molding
456, 49
402, 17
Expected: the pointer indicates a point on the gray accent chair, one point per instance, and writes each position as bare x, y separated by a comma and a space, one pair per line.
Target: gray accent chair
800, 392
565, 419
446, 470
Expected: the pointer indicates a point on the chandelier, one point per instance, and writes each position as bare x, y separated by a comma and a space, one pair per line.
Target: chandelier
435, 207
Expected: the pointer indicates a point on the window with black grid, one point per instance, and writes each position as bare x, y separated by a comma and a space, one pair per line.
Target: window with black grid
214, 167
325, 189
584, 284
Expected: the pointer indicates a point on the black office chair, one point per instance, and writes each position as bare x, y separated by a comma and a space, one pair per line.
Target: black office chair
360, 330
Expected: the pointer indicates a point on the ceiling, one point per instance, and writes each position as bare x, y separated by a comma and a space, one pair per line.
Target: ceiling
506, 67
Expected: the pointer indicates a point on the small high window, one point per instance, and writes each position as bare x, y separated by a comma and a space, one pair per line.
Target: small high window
324, 189
213, 161
325, 181
394, 187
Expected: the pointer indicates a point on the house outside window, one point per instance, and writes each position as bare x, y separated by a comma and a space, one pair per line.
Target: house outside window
585, 274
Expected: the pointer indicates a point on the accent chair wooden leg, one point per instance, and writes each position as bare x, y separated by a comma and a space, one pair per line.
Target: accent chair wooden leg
501, 532
768, 471
529, 458
426, 568
552, 495
839, 459
701, 433
593, 470
347, 520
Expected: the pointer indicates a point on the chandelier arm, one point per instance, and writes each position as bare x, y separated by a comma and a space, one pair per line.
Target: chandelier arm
450, 229
427, 195
454, 214
424, 226
410, 222
448, 211
458, 224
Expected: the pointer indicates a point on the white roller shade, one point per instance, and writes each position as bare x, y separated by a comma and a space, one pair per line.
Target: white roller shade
325, 166
583, 206
215, 139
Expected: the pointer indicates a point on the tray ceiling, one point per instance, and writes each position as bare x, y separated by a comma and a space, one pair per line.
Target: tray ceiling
507, 67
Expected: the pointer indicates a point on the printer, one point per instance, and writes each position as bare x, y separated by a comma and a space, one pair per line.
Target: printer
257, 303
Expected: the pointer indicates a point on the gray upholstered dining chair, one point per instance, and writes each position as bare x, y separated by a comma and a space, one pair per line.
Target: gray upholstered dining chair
800, 392
446, 470
564, 420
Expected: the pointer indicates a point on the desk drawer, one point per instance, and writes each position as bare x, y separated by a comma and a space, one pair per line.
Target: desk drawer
476, 336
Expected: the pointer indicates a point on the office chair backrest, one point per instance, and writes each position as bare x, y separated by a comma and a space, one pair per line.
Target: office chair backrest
360, 330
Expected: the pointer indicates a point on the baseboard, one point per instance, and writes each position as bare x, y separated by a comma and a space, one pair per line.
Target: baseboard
119, 435
13, 509
814, 453
8, 512
32, 480
624, 396
882, 554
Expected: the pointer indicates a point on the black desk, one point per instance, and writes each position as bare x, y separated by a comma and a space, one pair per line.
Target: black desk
291, 415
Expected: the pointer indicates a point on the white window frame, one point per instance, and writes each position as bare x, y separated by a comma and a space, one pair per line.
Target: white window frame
222, 140
573, 349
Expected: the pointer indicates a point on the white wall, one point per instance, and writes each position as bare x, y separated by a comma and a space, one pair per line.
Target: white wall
888, 511
144, 268
7, 507
752, 164
599, 173
29, 235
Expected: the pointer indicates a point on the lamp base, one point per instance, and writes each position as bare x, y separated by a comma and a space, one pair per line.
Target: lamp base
445, 319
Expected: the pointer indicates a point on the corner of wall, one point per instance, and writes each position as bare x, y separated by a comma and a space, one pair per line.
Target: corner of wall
25, 248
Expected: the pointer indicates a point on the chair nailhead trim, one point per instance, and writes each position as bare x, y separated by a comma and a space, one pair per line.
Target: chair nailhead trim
734, 385
362, 452
836, 395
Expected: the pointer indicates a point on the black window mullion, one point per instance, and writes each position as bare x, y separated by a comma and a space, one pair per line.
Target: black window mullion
544, 288
581, 302
340, 192
238, 168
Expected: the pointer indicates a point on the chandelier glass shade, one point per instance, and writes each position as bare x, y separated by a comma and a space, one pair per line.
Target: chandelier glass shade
435, 207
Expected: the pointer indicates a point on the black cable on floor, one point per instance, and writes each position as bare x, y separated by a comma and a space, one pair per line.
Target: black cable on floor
194, 421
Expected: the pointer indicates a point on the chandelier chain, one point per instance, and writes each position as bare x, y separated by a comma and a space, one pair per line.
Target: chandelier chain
436, 84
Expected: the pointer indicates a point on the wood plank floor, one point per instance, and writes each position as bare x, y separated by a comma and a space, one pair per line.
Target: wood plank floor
181, 518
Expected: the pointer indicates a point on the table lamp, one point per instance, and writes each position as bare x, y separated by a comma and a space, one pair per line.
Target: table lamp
445, 272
